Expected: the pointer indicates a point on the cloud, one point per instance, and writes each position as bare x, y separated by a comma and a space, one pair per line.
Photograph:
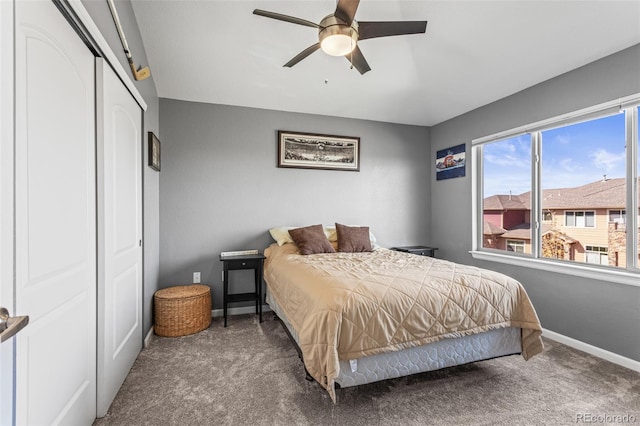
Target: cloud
608, 161
513, 153
512, 161
569, 165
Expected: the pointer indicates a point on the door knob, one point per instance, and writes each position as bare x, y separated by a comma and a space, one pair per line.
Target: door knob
4, 317
9, 326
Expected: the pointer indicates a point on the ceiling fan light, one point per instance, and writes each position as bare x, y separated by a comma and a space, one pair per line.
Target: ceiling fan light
337, 38
337, 44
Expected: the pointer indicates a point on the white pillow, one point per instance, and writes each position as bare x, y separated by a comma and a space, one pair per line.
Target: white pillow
281, 234
330, 232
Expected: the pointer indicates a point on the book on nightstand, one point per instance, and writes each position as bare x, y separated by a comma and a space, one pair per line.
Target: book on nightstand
238, 253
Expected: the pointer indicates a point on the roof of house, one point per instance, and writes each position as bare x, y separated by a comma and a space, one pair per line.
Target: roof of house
601, 194
561, 235
504, 202
523, 232
492, 229
605, 193
520, 232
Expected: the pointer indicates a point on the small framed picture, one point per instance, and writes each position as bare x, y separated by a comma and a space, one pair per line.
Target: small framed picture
154, 152
450, 162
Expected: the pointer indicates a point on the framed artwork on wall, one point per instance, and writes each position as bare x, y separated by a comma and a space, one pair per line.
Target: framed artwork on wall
154, 152
316, 151
450, 162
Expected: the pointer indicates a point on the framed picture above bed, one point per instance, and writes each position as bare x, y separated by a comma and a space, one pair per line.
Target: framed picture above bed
316, 151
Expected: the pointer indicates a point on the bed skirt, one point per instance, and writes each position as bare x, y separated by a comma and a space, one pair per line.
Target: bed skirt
441, 354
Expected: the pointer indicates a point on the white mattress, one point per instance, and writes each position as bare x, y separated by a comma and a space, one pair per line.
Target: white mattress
440, 354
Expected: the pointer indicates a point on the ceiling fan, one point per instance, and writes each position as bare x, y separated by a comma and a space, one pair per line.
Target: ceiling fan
339, 33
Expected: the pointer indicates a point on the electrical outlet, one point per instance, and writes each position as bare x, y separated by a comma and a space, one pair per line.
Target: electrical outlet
196, 277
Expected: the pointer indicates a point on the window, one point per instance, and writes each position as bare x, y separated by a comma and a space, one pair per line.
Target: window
597, 255
570, 219
618, 216
580, 219
553, 189
582, 164
515, 246
505, 200
637, 177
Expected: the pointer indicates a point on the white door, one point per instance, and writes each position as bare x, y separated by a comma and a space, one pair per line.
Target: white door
55, 219
6, 205
119, 233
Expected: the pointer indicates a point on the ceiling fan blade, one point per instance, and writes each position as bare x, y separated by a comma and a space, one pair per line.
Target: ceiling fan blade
391, 28
285, 18
346, 10
358, 61
300, 56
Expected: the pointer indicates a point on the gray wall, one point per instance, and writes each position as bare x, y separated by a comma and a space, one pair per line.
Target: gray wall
600, 313
101, 15
221, 189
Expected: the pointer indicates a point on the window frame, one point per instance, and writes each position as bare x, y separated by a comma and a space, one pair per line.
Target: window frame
599, 250
621, 212
584, 216
516, 243
629, 275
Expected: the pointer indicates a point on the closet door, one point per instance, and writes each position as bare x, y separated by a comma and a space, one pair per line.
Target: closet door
119, 233
55, 219
6, 206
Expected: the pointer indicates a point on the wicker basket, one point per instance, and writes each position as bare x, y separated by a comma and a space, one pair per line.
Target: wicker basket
182, 310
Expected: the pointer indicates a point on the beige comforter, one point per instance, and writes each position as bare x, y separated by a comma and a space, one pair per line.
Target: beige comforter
348, 305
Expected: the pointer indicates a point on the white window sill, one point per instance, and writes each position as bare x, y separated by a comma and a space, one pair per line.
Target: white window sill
620, 276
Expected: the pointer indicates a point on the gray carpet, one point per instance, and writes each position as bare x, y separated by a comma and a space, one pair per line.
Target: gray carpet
249, 373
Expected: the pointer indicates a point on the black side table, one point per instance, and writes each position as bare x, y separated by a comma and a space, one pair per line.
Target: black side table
234, 263
419, 250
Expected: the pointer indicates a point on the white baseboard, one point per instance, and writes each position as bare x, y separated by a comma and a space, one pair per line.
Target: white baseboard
239, 310
593, 350
148, 337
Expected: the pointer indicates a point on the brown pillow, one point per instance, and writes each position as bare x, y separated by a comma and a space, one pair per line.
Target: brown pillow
311, 240
353, 239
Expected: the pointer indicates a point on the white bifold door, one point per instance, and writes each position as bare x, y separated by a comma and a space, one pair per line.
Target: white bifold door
119, 233
77, 274
55, 219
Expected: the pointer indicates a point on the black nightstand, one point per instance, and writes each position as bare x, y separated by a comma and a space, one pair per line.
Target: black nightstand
234, 263
419, 250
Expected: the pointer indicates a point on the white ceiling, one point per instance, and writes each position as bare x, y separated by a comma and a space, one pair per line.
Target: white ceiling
473, 53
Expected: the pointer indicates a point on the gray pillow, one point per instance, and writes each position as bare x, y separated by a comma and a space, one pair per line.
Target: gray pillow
353, 239
311, 240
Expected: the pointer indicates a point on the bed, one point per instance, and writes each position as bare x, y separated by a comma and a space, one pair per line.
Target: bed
360, 316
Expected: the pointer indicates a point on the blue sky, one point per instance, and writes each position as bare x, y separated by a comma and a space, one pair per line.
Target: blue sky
573, 155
